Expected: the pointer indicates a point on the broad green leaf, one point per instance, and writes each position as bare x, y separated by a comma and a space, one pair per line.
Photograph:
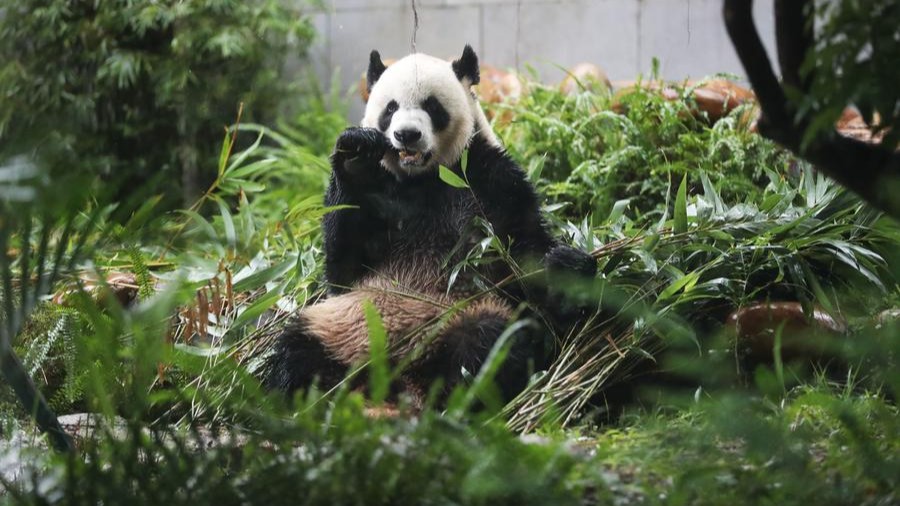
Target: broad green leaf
256, 167
204, 225
144, 213
680, 226
257, 308
618, 210
685, 283
449, 177
709, 191
379, 368
260, 278
227, 221
226, 150
243, 155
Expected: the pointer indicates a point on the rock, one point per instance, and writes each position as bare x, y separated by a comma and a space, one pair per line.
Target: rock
714, 98
498, 86
886, 317
585, 77
851, 124
82, 426
755, 328
718, 97
122, 286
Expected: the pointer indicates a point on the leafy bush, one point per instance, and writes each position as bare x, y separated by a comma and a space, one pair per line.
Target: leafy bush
581, 152
185, 421
140, 91
854, 62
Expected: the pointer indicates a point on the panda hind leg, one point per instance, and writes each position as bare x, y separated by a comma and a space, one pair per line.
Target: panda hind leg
298, 360
465, 346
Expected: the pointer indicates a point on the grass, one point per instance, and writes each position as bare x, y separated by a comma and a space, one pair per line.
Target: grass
688, 221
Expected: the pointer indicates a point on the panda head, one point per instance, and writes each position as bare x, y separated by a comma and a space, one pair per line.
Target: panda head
425, 108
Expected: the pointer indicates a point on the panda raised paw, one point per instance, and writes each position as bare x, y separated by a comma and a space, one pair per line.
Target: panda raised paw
569, 274
564, 259
358, 150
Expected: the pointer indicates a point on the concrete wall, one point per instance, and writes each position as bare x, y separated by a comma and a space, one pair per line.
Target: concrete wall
622, 36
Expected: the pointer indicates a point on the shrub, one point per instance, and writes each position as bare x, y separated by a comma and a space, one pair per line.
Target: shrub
140, 91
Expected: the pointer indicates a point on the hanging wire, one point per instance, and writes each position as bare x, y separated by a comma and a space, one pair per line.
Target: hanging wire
518, 31
415, 11
689, 21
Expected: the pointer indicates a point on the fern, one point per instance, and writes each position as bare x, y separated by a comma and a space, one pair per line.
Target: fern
146, 287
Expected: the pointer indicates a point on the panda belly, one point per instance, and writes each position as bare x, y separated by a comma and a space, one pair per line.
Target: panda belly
416, 316
435, 332
426, 237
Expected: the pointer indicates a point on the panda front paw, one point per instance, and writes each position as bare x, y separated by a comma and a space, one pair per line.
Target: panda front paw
358, 151
570, 272
566, 260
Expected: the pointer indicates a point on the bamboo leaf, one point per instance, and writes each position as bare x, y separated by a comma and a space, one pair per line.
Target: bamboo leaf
227, 221
681, 226
449, 177
685, 283
243, 155
379, 368
224, 152
271, 273
257, 308
204, 225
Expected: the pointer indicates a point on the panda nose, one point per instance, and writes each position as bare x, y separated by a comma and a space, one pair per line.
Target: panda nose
407, 136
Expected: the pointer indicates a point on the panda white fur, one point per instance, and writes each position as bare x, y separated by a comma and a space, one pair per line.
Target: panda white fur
407, 228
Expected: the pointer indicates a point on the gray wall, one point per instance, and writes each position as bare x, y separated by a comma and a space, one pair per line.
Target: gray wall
622, 36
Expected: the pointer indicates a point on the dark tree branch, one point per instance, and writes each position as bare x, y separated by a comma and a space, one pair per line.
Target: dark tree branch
872, 171
11, 367
794, 35
15, 374
753, 56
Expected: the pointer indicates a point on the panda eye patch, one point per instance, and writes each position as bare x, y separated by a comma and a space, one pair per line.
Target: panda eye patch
440, 118
384, 121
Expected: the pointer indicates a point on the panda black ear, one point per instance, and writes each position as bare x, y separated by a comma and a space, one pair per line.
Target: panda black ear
376, 68
467, 66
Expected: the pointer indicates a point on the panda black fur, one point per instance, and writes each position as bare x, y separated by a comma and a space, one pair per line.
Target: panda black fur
392, 247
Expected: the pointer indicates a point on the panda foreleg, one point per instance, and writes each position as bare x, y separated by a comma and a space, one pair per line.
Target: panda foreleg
569, 272
356, 160
356, 175
568, 260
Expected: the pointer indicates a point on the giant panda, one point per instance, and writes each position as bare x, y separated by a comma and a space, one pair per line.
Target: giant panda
400, 229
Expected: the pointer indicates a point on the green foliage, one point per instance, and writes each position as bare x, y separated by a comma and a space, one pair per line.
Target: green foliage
818, 446
579, 151
140, 91
49, 351
854, 62
687, 220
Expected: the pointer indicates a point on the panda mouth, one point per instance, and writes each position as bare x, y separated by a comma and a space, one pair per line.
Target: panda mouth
412, 158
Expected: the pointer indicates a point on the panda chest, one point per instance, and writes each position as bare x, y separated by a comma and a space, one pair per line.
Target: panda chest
428, 224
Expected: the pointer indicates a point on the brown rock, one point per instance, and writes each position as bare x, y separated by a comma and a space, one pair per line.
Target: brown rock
718, 97
851, 124
498, 85
121, 285
585, 77
715, 97
755, 328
